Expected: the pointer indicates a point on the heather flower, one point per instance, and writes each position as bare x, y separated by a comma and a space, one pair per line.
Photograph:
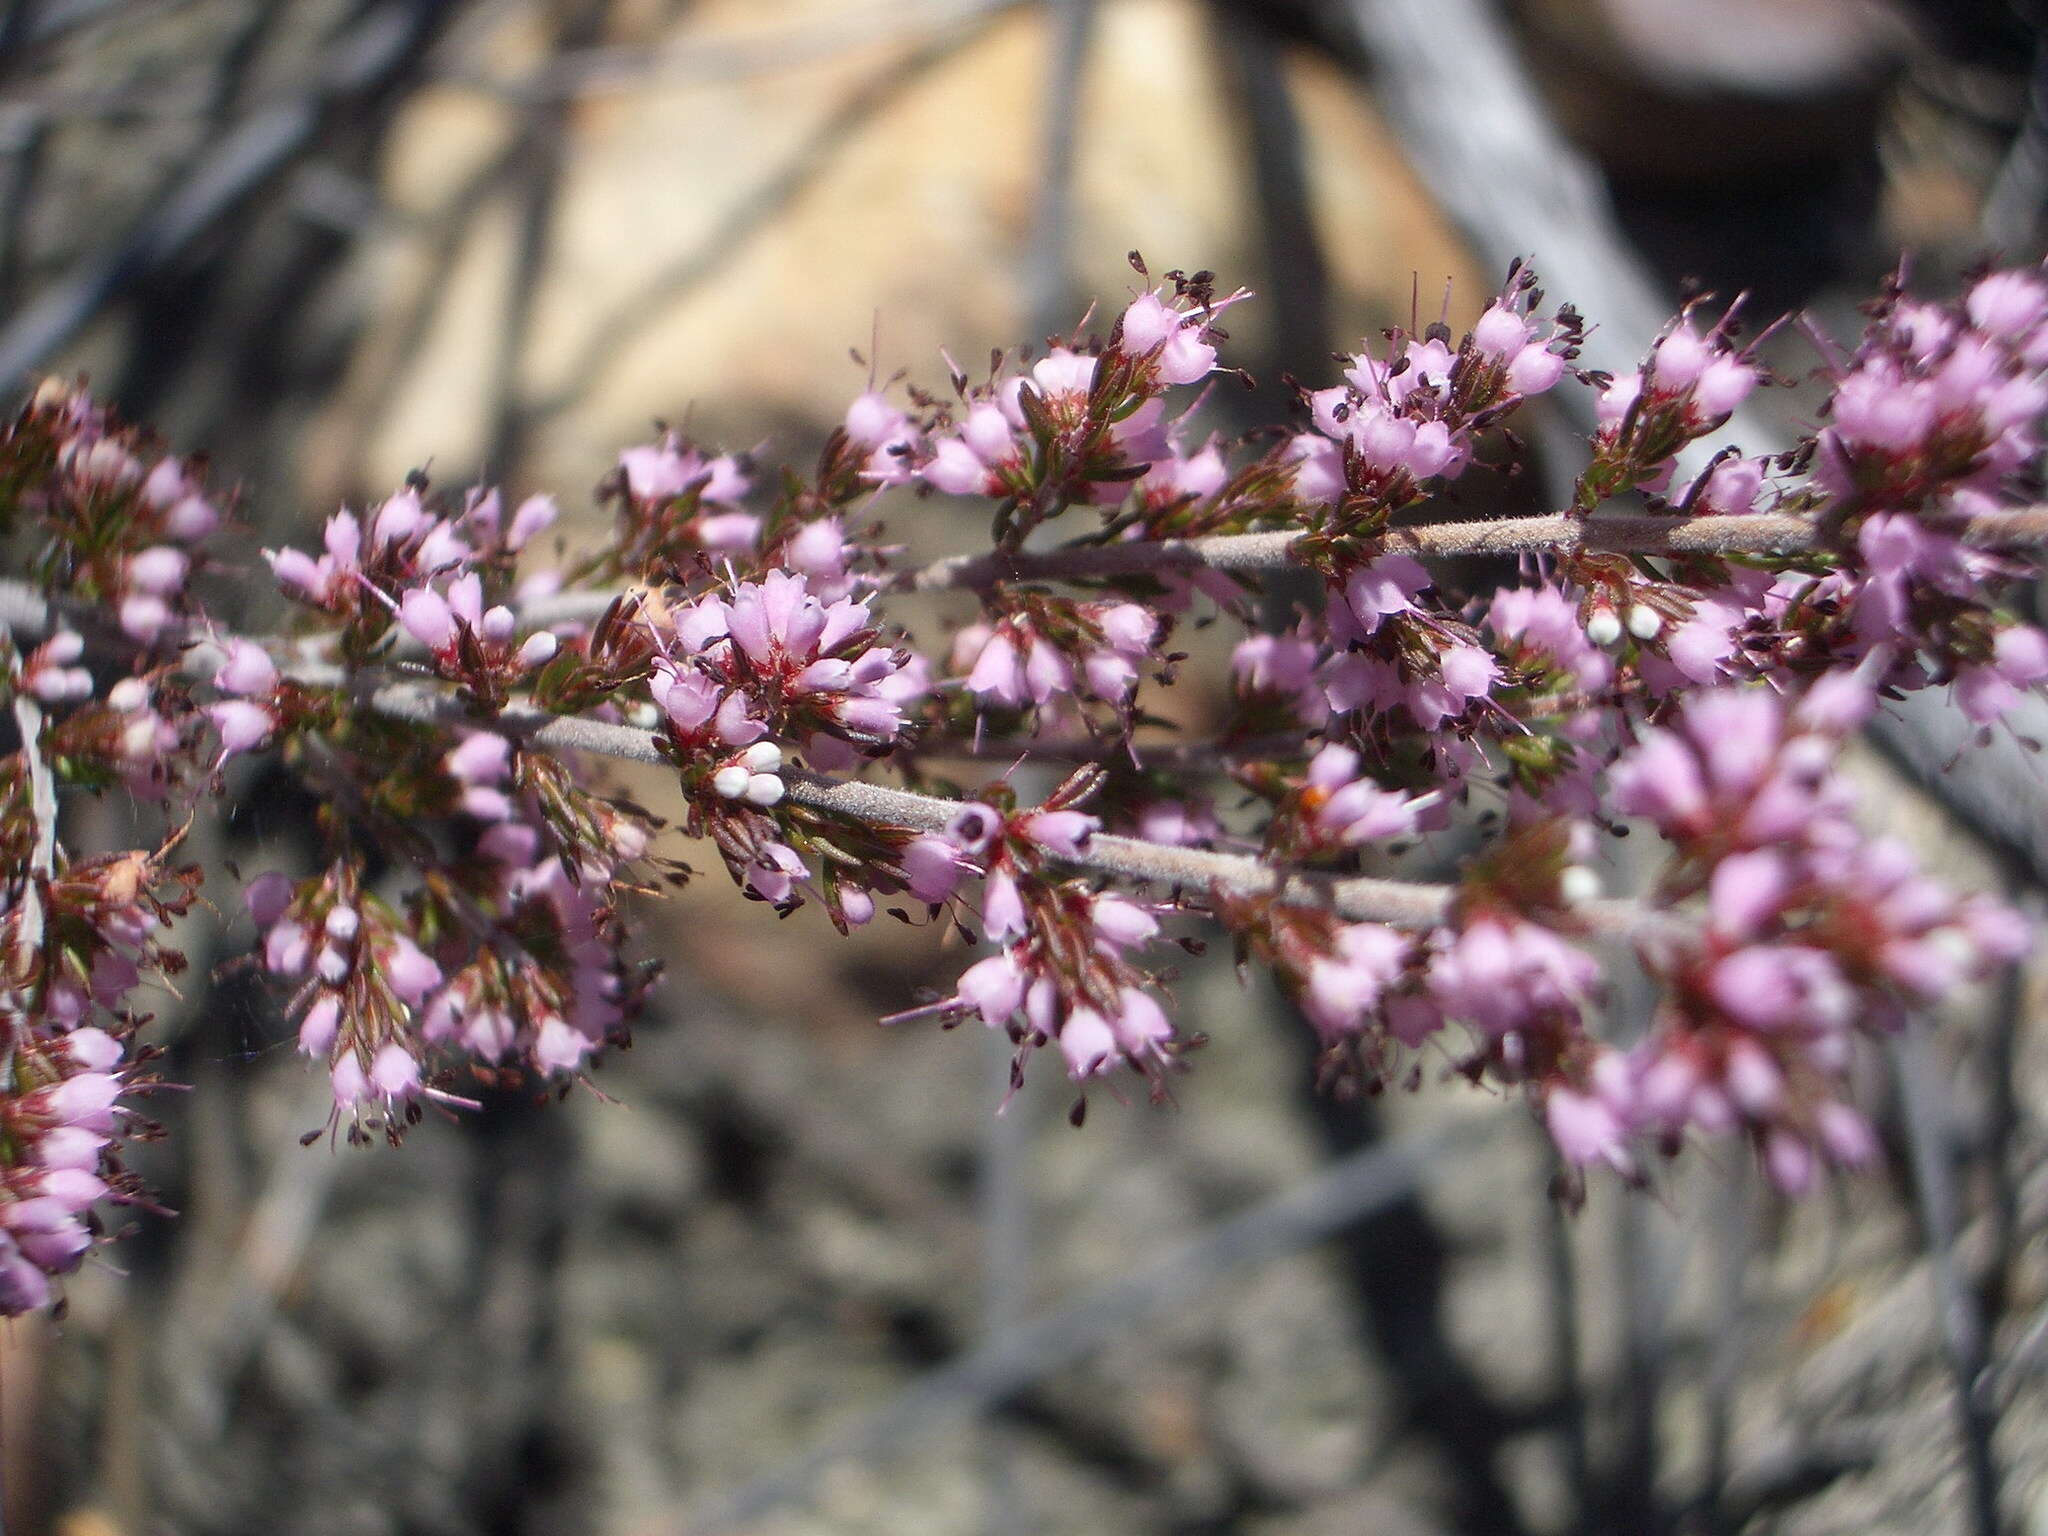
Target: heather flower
1504, 975
1061, 832
666, 470
247, 670
1171, 340
1541, 626
241, 725
1988, 690
1387, 586
1345, 810
1342, 988
1282, 667
1586, 1129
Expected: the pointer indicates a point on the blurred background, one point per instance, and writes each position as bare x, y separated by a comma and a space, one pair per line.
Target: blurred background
799, 1277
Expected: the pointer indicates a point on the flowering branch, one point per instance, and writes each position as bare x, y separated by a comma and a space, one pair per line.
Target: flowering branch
1757, 533
466, 922
1402, 903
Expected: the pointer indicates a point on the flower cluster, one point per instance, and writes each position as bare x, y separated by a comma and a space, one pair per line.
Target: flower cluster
121, 521
78, 945
512, 967
1402, 423
1812, 934
1045, 652
1065, 971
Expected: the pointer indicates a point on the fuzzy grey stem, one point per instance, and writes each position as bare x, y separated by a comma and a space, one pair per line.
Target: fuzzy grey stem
1758, 533
1360, 898
1402, 903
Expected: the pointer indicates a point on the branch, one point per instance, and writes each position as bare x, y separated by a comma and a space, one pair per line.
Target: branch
1759, 533
1404, 904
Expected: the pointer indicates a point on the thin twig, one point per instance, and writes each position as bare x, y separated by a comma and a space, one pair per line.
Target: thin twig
1762, 533
1360, 898
1072, 23
1561, 1268
2011, 216
1352, 1189
1733, 1234
1253, 61
1962, 1329
1757, 533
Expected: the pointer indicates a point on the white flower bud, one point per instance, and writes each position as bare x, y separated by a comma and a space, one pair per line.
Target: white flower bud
1645, 622
128, 695
539, 649
1954, 946
1603, 628
342, 923
643, 715
762, 757
731, 781
764, 789
1578, 884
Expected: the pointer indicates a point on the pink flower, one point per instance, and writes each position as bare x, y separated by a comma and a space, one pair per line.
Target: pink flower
1500, 332
1387, 586
86, 1100
1344, 986
993, 988
409, 971
1586, 1130
1120, 923
160, 570
1062, 832
1002, 907
241, 725
394, 1074
248, 669
931, 868
558, 1046
428, 617
484, 757
1502, 975
1088, 1044
1679, 359
1535, 369
534, 516
1141, 1028
2007, 304
996, 672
